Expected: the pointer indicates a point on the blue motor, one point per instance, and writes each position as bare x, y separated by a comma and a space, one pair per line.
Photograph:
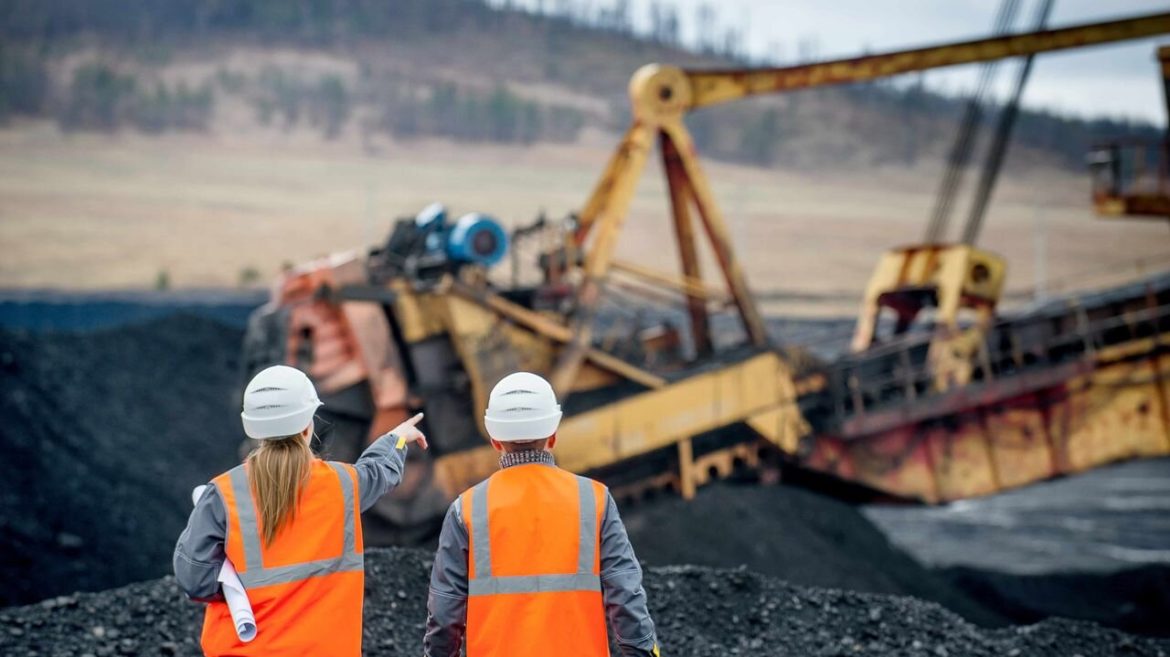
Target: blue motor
477, 238
426, 246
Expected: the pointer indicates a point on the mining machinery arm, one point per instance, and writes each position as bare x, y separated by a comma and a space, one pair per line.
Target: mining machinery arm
416, 323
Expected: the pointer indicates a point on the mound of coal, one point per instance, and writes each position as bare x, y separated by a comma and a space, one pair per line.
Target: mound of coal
103, 435
699, 611
1134, 600
794, 534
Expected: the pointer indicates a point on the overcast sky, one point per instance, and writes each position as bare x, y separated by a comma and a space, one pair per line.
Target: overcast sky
1112, 80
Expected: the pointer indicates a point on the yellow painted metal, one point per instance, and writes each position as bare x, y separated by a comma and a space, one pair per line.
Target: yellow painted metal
606, 210
986, 451
491, 348
658, 418
681, 198
419, 316
897, 461
1119, 410
952, 278
547, 327
686, 469
959, 277
655, 419
692, 287
777, 427
1021, 450
962, 461
703, 88
716, 228
455, 473
615, 187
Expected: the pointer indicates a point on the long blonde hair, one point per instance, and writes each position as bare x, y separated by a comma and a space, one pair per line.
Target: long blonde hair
279, 469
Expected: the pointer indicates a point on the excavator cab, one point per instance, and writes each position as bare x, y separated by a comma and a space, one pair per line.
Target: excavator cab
1131, 178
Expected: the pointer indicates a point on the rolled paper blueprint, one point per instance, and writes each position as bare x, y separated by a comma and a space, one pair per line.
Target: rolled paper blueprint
233, 591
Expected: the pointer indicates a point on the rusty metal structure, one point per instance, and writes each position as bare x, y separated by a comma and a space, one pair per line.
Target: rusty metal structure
1131, 178
961, 403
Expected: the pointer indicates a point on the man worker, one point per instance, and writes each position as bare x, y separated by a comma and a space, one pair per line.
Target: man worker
534, 559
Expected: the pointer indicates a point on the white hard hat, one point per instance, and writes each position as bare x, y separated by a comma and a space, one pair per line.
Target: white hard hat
522, 407
278, 402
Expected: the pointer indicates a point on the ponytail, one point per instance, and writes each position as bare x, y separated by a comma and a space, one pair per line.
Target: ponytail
278, 468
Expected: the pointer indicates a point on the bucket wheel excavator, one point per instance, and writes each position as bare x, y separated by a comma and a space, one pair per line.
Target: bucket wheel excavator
964, 405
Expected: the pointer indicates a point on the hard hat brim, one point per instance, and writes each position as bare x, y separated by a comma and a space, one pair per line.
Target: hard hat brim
511, 431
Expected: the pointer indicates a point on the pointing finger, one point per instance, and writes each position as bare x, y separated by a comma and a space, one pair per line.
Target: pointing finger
414, 420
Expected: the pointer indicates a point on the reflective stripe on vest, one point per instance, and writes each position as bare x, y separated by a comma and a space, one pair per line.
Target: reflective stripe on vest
255, 574
484, 583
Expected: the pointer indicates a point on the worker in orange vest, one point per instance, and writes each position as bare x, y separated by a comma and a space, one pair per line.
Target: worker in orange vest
534, 559
289, 523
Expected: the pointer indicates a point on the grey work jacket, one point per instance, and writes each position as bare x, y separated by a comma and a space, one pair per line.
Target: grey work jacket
199, 553
621, 588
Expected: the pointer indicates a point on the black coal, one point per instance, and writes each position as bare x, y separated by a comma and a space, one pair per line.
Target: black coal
699, 611
790, 533
102, 437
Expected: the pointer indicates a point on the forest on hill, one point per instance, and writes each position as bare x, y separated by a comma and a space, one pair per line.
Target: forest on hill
466, 70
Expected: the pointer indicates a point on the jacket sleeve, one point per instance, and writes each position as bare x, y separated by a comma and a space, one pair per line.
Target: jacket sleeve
447, 600
379, 469
621, 589
199, 553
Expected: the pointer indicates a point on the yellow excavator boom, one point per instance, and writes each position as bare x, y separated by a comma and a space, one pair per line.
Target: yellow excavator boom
721, 86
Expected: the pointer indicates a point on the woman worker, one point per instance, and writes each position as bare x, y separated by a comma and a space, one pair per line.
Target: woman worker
289, 523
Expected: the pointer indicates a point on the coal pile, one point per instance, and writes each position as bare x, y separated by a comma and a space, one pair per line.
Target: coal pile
1134, 600
699, 611
103, 435
793, 534
1090, 547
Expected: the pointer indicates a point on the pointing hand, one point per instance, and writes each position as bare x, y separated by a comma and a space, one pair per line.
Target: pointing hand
409, 432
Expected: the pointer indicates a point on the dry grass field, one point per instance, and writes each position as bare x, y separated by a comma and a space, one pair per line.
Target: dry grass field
88, 211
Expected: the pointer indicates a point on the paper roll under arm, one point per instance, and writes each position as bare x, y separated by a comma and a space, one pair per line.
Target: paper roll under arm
233, 590
237, 602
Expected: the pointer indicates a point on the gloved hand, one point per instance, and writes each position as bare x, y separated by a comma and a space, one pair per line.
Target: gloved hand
408, 433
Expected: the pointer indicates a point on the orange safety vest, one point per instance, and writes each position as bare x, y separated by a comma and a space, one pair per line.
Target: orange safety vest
307, 587
534, 584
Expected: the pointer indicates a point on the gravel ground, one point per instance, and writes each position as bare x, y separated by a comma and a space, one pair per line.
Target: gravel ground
699, 611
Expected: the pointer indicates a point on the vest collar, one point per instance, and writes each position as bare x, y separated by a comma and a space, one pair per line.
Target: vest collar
526, 456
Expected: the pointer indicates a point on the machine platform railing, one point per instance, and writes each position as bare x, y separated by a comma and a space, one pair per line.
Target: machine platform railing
901, 374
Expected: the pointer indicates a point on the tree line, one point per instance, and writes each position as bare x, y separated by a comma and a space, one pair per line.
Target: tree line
324, 22
906, 119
